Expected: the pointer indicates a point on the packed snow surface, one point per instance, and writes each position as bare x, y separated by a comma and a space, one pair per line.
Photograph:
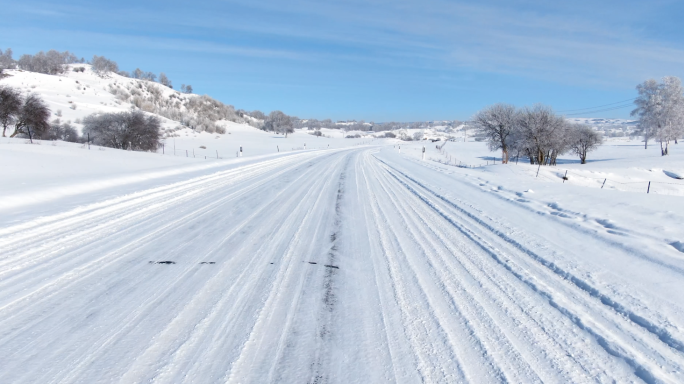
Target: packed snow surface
354, 264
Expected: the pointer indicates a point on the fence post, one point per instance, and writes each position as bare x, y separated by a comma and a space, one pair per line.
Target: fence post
604, 183
29, 132
88, 140
565, 177
538, 169
649, 187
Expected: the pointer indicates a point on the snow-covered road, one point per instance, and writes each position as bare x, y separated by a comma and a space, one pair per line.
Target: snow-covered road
345, 266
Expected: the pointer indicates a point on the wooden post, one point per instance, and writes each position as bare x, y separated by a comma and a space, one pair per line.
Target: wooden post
565, 177
88, 140
604, 183
29, 132
649, 187
538, 170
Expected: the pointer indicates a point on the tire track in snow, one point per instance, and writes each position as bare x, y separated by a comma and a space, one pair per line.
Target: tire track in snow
644, 365
419, 323
62, 288
490, 297
279, 332
132, 222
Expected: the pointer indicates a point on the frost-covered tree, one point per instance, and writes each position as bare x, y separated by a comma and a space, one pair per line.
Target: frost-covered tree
149, 76
647, 105
541, 134
124, 130
163, 80
660, 109
62, 131
583, 139
673, 112
496, 123
186, 88
137, 74
279, 122
10, 106
6, 60
258, 115
33, 117
51, 63
102, 66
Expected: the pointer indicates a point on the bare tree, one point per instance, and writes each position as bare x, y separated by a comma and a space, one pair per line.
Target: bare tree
102, 66
496, 123
165, 80
10, 106
6, 60
123, 130
149, 76
33, 118
51, 63
277, 121
542, 135
186, 88
583, 139
258, 115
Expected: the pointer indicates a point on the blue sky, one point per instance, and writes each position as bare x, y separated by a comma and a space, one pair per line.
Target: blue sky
375, 60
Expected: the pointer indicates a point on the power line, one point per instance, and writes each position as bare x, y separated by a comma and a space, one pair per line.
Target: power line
598, 106
601, 110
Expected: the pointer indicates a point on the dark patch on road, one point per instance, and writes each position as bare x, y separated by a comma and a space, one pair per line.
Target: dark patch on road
208, 262
163, 262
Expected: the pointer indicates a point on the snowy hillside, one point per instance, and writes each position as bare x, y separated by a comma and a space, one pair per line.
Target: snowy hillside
76, 94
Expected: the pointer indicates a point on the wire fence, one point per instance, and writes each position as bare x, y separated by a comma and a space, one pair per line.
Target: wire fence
566, 176
643, 186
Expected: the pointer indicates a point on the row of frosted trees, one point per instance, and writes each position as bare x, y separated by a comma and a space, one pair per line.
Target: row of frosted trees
534, 132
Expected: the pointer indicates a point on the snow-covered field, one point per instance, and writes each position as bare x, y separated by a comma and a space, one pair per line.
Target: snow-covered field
347, 262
